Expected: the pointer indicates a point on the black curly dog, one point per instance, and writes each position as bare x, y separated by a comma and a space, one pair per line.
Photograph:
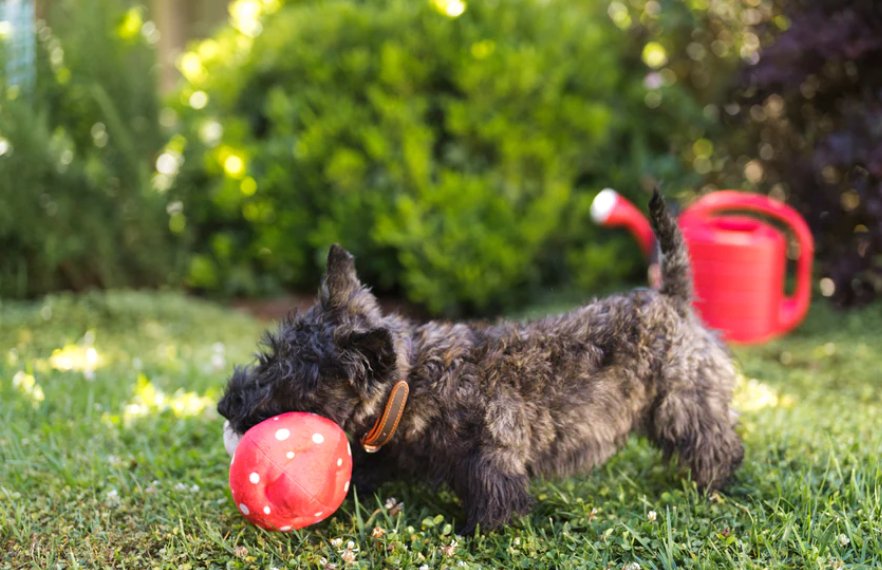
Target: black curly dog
492, 406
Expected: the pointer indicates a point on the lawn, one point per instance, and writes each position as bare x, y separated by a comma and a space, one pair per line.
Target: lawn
111, 456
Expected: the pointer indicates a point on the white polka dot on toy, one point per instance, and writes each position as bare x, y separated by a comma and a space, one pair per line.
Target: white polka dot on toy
349, 450
290, 455
254, 478
346, 487
320, 513
244, 508
339, 461
266, 510
318, 438
284, 434
285, 528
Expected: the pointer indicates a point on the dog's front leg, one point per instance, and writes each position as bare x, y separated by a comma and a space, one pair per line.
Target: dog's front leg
370, 470
492, 491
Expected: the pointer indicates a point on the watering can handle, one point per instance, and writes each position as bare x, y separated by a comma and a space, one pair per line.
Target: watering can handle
793, 308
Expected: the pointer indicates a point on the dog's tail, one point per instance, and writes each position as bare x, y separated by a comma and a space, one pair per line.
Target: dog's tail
676, 273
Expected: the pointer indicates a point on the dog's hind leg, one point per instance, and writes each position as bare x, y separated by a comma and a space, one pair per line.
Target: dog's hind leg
692, 418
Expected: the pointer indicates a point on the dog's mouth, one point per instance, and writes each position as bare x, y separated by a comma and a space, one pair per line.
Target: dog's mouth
231, 438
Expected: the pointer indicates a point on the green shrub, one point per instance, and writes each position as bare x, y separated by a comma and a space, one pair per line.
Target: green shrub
78, 209
456, 156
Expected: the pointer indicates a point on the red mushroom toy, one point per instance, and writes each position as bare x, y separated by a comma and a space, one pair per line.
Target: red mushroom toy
291, 471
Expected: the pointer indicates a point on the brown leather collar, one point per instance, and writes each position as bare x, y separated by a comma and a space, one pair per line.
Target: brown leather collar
387, 423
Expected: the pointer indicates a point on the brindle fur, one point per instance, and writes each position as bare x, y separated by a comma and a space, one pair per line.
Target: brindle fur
493, 405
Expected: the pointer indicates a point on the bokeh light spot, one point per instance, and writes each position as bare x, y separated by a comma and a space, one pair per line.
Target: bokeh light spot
850, 200
482, 49
210, 132
619, 14
248, 186
450, 8
191, 67
234, 166
130, 26
753, 171
245, 17
654, 55
168, 163
198, 100
653, 99
99, 134
702, 148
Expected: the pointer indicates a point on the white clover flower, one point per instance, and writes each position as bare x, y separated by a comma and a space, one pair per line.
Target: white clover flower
27, 385
113, 498
450, 549
651, 516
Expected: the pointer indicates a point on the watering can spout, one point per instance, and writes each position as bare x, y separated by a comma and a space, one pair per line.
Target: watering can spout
610, 209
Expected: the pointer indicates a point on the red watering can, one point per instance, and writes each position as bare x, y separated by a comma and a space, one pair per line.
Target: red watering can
738, 262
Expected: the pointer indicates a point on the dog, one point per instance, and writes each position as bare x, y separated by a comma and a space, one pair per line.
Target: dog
485, 408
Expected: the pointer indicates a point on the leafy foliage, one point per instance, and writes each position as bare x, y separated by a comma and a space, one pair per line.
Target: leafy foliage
78, 210
455, 154
690, 55
455, 147
815, 104
682, 62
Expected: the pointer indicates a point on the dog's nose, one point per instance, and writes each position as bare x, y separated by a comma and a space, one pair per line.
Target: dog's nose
231, 438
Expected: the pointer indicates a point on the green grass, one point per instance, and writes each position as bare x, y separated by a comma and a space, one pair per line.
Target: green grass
123, 467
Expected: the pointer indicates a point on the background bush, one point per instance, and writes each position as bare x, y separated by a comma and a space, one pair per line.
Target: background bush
77, 207
811, 119
456, 156
455, 148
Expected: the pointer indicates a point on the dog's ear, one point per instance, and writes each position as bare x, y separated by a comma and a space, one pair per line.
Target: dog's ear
342, 293
340, 282
377, 349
